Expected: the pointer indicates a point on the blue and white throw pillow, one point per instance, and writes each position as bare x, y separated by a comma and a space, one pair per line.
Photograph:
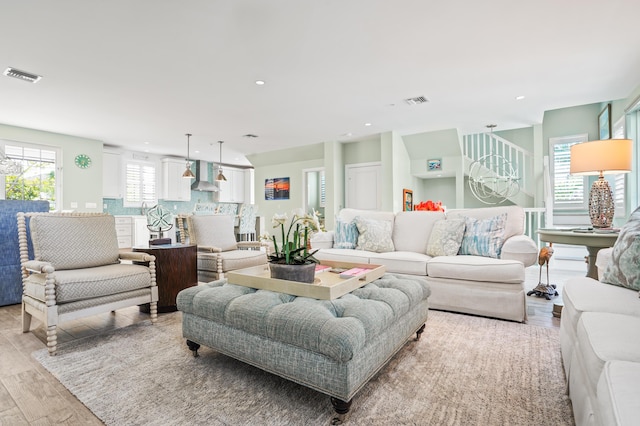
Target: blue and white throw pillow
483, 237
623, 269
346, 235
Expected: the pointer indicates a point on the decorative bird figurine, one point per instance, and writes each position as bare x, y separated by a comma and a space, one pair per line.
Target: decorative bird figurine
544, 290
543, 259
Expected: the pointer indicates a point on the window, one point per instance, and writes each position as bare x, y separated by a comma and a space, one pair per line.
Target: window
39, 177
617, 181
569, 192
323, 190
140, 184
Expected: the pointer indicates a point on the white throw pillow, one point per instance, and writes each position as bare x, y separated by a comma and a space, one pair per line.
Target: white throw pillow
374, 235
446, 237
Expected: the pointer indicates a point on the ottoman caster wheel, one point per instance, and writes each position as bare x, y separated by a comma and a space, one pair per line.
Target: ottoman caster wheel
193, 346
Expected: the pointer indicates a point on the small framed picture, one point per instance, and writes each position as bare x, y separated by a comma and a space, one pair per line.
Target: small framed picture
434, 164
604, 123
407, 200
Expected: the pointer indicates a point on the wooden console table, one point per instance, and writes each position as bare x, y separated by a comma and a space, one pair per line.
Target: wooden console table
594, 241
176, 269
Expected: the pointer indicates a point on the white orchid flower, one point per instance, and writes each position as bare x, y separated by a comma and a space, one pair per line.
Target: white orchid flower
279, 219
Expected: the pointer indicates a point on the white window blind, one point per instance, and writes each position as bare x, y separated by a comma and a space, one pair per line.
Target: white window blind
323, 190
141, 184
617, 181
569, 191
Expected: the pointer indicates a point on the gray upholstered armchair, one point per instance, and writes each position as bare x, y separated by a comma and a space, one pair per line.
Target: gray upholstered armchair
77, 270
218, 250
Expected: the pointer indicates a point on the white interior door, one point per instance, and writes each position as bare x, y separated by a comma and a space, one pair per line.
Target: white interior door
363, 186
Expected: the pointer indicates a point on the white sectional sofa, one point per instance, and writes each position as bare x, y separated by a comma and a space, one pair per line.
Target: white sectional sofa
600, 336
474, 284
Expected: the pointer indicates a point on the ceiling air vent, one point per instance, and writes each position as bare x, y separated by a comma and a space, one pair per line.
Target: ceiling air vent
417, 100
250, 136
22, 75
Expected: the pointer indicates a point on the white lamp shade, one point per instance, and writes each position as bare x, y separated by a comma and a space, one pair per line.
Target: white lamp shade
605, 156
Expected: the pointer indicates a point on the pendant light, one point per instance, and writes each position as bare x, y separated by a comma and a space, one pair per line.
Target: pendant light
188, 174
220, 176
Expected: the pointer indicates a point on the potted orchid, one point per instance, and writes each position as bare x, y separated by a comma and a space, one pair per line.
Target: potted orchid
291, 259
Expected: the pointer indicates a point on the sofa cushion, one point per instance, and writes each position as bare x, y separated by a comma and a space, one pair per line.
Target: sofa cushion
346, 234
374, 235
411, 230
483, 237
476, 268
348, 215
606, 337
402, 262
618, 393
343, 255
623, 268
583, 294
446, 237
89, 241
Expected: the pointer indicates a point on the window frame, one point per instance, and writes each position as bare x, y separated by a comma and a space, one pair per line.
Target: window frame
567, 206
58, 203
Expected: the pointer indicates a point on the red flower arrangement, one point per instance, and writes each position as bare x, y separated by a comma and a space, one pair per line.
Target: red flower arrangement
430, 206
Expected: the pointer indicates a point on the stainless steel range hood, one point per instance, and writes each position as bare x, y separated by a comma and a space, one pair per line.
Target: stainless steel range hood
202, 183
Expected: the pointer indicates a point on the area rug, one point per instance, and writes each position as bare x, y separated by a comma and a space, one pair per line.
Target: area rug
465, 370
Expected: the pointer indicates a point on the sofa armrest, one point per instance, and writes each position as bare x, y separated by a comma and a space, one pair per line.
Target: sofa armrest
322, 240
520, 247
602, 260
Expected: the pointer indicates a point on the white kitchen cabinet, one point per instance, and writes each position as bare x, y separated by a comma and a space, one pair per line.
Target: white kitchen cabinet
233, 190
132, 231
174, 186
111, 187
124, 231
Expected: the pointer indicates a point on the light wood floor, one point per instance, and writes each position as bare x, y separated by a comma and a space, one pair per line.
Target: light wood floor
29, 395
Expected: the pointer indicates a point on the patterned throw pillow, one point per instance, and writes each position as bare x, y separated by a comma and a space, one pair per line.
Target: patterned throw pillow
623, 269
483, 237
346, 235
375, 235
446, 237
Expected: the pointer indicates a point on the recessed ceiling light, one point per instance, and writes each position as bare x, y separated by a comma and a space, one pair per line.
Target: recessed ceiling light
22, 75
519, 98
347, 134
260, 82
146, 143
367, 124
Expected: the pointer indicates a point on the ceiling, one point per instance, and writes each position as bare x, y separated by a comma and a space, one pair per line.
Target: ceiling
140, 74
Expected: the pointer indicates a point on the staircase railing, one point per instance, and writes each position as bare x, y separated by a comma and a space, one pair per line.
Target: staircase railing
535, 218
479, 145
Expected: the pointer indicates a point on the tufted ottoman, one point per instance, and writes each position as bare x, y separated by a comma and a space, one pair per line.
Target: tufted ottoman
332, 346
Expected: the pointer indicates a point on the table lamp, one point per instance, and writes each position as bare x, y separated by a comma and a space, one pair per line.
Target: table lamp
609, 156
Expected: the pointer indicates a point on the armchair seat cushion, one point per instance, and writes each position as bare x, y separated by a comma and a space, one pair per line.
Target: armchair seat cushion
81, 284
231, 260
239, 259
